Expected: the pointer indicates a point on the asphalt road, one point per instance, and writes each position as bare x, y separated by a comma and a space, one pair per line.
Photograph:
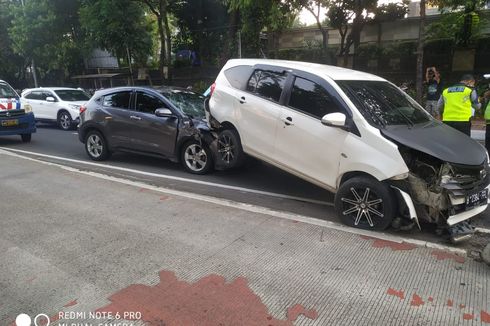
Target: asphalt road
256, 183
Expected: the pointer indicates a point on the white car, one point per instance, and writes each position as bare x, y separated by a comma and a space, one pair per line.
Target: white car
354, 134
56, 104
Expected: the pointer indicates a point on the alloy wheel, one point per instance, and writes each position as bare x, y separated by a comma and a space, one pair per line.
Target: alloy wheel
226, 149
65, 121
363, 203
195, 157
95, 146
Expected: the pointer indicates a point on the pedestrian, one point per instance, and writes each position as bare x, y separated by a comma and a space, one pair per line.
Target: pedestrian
457, 104
434, 90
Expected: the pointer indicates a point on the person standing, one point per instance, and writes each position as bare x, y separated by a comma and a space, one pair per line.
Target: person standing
486, 114
434, 90
458, 103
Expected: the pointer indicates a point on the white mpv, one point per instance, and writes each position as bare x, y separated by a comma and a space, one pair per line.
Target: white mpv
355, 134
56, 104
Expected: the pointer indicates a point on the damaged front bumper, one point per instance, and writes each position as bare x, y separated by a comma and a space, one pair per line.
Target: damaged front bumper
458, 194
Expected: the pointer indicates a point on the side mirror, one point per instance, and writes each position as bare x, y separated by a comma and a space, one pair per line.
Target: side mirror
335, 119
163, 113
50, 99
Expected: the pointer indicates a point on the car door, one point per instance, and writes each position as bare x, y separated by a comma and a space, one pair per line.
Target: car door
119, 119
50, 109
303, 144
35, 100
259, 111
154, 134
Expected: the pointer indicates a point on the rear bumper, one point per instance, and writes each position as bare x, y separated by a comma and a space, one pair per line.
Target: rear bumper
26, 125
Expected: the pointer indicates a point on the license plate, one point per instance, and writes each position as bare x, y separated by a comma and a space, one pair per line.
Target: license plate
10, 123
476, 199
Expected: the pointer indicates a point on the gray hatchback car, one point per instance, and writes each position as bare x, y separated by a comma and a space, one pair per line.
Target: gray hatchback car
165, 122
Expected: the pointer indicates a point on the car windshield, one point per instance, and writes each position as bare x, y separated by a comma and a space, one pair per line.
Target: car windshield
189, 102
6, 91
384, 104
71, 95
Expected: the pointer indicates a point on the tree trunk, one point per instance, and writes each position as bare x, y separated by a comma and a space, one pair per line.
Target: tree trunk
326, 58
161, 34
420, 53
168, 40
232, 32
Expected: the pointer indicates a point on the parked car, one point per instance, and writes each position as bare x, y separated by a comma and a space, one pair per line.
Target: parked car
56, 104
15, 118
354, 134
166, 122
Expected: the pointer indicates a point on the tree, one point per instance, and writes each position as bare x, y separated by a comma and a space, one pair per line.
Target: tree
108, 26
349, 18
161, 10
419, 78
47, 32
314, 7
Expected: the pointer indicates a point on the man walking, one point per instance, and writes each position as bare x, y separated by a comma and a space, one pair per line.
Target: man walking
433, 82
458, 103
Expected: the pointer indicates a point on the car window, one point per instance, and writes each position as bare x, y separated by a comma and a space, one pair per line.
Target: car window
267, 84
192, 104
33, 96
382, 103
312, 99
238, 76
6, 91
148, 103
71, 95
47, 94
118, 100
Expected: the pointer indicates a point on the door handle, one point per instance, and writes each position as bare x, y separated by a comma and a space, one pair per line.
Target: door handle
242, 100
134, 117
288, 121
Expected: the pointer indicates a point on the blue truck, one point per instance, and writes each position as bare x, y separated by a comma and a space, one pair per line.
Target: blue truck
15, 118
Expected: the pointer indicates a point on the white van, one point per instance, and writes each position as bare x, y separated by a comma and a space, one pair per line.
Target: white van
354, 134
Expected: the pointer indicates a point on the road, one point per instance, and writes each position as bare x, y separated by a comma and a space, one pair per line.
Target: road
86, 248
256, 183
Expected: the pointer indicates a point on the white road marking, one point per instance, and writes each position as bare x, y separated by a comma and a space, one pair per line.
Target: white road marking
250, 208
170, 177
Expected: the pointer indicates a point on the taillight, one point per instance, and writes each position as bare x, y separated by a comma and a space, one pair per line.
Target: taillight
212, 89
83, 109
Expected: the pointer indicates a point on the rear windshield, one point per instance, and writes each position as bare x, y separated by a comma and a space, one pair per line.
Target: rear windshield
189, 102
72, 95
383, 104
6, 91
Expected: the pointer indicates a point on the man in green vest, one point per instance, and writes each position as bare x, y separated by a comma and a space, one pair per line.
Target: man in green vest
458, 104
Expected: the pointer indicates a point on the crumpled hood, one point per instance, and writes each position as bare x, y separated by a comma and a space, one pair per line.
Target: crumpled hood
9, 104
440, 141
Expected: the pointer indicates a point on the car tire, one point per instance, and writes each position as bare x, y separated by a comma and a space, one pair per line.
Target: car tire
229, 149
366, 203
26, 138
65, 122
96, 146
196, 157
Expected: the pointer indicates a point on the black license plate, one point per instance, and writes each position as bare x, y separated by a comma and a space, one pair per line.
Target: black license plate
476, 199
10, 123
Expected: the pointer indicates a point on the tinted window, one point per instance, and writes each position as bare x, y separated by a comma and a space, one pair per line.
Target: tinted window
190, 103
34, 96
72, 95
267, 84
148, 103
6, 91
47, 94
118, 100
384, 104
312, 98
238, 76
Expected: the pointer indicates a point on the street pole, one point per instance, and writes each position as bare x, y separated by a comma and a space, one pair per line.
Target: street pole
33, 65
239, 44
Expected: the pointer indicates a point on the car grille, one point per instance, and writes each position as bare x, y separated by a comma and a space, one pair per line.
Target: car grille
11, 113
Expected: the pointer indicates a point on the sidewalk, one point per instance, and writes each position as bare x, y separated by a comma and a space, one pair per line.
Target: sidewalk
74, 244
